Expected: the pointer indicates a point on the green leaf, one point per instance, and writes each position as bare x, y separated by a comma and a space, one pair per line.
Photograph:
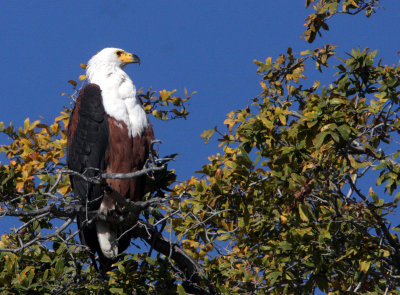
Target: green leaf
150, 261
344, 131
319, 139
59, 266
45, 258
207, 134
246, 157
274, 276
285, 246
114, 290
302, 210
180, 289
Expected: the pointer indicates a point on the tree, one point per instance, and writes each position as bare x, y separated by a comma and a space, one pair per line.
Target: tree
287, 206
42, 255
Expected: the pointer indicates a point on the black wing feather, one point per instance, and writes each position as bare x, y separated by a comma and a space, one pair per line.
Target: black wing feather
87, 144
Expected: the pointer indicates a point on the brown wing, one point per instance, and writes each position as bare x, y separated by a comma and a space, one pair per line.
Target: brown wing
125, 155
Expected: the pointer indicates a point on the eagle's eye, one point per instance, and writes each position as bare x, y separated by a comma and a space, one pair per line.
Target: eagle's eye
119, 52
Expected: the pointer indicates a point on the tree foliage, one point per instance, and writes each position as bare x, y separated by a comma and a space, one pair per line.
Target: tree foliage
326, 9
299, 197
287, 194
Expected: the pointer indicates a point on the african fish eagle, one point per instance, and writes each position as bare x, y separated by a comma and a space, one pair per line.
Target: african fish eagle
108, 132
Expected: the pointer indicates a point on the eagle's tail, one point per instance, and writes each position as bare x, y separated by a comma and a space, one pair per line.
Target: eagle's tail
107, 239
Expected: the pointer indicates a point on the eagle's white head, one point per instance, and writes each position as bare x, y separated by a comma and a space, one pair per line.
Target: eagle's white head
113, 57
118, 91
109, 60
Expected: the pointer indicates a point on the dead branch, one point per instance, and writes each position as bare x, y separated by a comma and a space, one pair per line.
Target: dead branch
144, 171
103, 176
39, 238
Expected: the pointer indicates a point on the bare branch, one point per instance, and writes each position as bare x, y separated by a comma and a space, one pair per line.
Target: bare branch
39, 238
144, 171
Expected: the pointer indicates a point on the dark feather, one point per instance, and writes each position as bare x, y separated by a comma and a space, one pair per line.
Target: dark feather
87, 144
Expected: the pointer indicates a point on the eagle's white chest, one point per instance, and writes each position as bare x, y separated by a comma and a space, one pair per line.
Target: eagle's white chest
119, 99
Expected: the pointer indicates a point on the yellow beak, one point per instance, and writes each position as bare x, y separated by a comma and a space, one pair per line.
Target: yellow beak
128, 58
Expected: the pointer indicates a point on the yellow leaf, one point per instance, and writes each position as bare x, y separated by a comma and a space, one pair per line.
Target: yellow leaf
305, 52
355, 3
282, 119
5, 242
225, 225
191, 243
64, 190
20, 185
207, 134
268, 123
166, 94
83, 66
26, 124
385, 253
82, 77
34, 124
230, 122
59, 118
364, 266
264, 86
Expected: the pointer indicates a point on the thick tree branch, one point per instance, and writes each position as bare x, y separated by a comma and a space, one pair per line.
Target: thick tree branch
191, 271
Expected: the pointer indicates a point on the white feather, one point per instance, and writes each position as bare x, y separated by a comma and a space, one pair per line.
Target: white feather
106, 235
117, 90
107, 239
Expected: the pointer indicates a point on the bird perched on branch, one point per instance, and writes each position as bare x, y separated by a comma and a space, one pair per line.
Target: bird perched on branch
108, 132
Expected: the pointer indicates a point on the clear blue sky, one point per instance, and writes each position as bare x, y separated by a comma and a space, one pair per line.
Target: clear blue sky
205, 46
